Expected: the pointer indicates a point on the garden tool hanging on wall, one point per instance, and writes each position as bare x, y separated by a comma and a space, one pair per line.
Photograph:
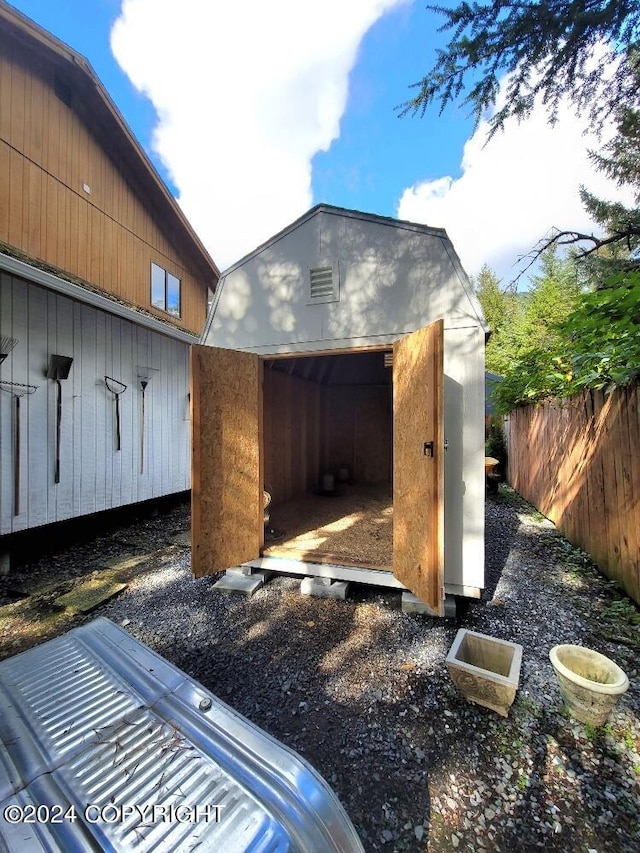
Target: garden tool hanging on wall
144, 381
17, 390
6, 345
116, 389
59, 367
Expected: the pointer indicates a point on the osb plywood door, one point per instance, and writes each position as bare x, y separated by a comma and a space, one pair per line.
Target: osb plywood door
418, 463
226, 499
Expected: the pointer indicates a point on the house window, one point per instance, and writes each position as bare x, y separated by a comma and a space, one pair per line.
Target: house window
324, 284
165, 290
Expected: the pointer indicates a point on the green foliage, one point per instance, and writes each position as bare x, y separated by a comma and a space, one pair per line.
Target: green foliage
491, 297
556, 339
550, 48
526, 339
622, 610
552, 296
496, 446
597, 345
619, 160
602, 336
503, 312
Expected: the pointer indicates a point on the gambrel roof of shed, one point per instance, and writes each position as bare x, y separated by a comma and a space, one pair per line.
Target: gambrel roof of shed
336, 211
97, 110
416, 227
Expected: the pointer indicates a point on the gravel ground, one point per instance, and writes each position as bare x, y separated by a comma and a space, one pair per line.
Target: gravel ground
361, 690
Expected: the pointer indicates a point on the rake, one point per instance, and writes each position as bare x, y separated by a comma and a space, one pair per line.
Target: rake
17, 390
6, 345
116, 389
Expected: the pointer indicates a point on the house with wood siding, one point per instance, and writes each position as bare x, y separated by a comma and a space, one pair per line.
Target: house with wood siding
99, 266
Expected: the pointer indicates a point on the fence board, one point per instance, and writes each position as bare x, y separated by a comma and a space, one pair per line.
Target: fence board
577, 462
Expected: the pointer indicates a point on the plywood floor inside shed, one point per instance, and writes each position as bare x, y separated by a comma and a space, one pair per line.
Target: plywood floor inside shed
352, 528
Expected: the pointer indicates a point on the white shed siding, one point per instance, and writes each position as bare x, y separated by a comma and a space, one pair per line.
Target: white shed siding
389, 276
464, 459
94, 475
395, 277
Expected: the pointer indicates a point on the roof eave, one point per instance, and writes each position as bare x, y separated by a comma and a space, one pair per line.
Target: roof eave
32, 274
30, 31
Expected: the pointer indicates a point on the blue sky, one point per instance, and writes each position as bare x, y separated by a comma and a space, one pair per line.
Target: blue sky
254, 112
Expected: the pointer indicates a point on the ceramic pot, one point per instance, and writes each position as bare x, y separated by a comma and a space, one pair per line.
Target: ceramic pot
590, 683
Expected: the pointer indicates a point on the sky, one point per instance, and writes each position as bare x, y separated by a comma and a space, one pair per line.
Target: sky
253, 112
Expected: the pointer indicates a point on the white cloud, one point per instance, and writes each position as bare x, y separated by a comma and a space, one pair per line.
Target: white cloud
513, 190
246, 94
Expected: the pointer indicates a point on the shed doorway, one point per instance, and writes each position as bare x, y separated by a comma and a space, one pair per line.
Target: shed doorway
327, 457
239, 439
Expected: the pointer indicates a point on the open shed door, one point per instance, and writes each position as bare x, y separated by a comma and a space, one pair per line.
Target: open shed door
418, 464
226, 498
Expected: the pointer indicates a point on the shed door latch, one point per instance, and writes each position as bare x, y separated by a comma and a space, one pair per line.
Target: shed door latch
428, 449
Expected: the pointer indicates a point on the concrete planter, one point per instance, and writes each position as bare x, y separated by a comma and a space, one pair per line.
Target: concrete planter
485, 670
590, 683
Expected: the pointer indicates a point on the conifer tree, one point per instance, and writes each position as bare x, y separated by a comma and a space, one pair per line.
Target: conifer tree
550, 48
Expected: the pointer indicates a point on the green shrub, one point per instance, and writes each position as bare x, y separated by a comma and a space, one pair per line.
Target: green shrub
496, 445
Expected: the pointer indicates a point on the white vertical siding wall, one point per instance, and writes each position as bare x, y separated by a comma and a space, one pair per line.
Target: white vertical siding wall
464, 458
94, 476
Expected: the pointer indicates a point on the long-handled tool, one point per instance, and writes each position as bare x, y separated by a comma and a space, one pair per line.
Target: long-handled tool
17, 390
116, 388
145, 375
143, 388
59, 367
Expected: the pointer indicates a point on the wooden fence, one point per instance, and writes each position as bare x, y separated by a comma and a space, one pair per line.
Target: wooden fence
578, 462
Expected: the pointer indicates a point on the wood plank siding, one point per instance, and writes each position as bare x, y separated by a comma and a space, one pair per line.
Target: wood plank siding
94, 475
70, 200
578, 463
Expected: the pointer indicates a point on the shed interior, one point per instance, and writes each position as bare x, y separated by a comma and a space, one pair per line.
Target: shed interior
329, 415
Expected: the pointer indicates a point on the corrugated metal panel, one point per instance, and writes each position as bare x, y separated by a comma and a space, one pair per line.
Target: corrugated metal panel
147, 759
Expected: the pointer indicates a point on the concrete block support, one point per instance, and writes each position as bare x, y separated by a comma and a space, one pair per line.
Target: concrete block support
324, 588
412, 604
240, 572
234, 581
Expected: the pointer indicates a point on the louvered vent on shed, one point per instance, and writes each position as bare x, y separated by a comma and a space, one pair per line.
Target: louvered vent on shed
324, 284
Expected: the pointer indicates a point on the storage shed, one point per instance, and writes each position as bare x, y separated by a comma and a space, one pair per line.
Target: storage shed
342, 371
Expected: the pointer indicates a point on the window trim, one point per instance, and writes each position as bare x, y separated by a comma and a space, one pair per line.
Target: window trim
167, 276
